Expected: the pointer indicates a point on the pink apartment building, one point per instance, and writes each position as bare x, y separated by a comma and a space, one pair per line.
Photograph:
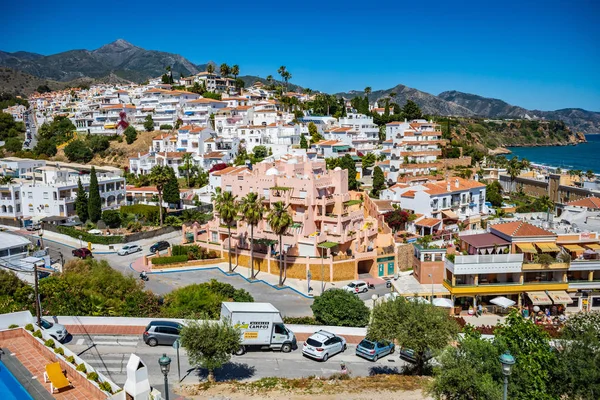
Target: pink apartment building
329, 219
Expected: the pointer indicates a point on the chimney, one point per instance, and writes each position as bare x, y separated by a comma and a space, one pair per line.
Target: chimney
448, 186
456, 183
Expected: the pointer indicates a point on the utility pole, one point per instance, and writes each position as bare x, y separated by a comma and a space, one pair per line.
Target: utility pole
37, 298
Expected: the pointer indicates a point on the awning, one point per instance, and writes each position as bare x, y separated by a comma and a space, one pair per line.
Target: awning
526, 248
450, 214
593, 246
443, 302
502, 302
560, 297
573, 247
539, 298
548, 247
327, 245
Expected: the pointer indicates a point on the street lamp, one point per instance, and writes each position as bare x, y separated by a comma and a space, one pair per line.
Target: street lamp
165, 365
80, 241
431, 277
507, 361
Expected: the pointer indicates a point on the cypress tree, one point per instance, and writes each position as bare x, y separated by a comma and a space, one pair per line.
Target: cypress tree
303, 142
81, 203
378, 181
94, 202
347, 163
171, 190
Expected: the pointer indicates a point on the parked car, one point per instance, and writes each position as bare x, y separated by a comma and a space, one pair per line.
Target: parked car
82, 253
56, 331
357, 287
34, 227
161, 332
128, 249
374, 350
322, 345
409, 355
159, 246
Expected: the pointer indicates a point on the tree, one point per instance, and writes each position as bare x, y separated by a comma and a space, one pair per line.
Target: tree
282, 71
260, 152
94, 202
279, 219
188, 163
303, 141
225, 70
149, 123
397, 218
252, 211
112, 218
210, 68
78, 151
368, 160
131, 134
378, 181
166, 127
493, 193
414, 325
411, 110
590, 175
98, 143
235, 71
171, 194
347, 163
210, 344
46, 147
13, 144
315, 136
159, 176
337, 307
81, 202
368, 91
225, 204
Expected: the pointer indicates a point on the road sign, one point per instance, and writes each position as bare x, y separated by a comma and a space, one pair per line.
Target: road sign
176, 344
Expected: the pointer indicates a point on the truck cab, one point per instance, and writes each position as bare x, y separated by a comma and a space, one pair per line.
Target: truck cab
261, 326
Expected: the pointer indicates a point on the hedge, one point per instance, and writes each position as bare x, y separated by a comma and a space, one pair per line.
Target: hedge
87, 237
150, 214
169, 260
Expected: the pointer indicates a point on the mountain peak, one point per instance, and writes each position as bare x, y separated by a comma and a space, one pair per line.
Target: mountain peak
117, 45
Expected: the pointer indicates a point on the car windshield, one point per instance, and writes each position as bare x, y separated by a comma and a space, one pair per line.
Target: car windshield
46, 324
367, 345
126, 247
351, 284
314, 342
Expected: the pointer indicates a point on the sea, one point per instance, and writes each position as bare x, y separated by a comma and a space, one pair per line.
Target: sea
584, 156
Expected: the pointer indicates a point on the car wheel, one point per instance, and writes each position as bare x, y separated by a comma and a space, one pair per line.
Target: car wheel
325, 357
286, 348
345, 347
152, 342
366, 290
240, 351
392, 350
375, 358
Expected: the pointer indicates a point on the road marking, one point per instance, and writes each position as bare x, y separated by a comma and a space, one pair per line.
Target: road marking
110, 343
80, 342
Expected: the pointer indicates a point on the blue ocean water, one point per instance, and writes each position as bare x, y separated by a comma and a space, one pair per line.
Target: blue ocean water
584, 156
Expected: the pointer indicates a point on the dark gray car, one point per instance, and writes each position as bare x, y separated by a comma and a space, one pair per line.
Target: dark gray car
161, 332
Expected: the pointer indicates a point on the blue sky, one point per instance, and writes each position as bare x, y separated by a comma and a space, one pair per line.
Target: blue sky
536, 54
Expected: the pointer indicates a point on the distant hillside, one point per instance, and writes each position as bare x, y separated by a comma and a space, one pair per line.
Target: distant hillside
20, 83
119, 58
429, 103
577, 119
249, 80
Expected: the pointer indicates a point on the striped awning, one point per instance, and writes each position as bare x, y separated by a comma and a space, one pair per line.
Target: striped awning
560, 297
527, 247
573, 247
548, 247
539, 298
593, 246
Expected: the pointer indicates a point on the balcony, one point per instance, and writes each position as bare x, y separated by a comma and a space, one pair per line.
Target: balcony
503, 287
537, 266
485, 264
584, 265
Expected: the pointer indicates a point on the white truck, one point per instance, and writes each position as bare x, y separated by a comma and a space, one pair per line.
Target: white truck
261, 326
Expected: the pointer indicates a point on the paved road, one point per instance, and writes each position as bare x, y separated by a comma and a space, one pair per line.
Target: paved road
109, 354
33, 130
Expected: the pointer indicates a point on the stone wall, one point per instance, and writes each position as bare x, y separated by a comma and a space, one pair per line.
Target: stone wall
455, 162
405, 256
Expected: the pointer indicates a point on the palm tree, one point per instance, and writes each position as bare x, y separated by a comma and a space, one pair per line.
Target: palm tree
280, 220
281, 71
188, 162
224, 68
6, 180
589, 174
579, 173
210, 68
270, 80
160, 176
227, 208
235, 71
525, 164
368, 91
286, 77
252, 211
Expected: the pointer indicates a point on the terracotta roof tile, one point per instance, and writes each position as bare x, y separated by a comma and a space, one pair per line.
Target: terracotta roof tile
589, 202
520, 229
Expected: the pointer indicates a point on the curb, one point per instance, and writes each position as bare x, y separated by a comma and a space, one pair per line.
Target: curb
72, 247
231, 274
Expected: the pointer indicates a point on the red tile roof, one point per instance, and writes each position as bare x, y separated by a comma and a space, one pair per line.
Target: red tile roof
429, 222
589, 202
520, 229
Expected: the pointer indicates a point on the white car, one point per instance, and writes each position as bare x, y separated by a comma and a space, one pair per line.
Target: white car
322, 345
56, 331
128, 249
357, 287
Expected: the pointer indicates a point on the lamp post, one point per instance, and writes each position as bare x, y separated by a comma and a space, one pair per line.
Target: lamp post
507, 361
80, 241
165, 365
431, 277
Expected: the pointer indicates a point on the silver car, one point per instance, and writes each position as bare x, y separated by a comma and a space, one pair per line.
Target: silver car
56, 331
129, 249
322, 345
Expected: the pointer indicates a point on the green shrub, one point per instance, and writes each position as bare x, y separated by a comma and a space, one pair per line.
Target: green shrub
301, 320
13, 326
338, 307
134, 226
105, 386
49, 343
93, 376
29, 327
86, 237
169, 260
112, 218
37, 334
148, 214
70, 359
81, 368
59, 350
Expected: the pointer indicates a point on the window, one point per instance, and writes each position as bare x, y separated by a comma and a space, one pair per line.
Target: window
31, 208
29, 195
280, 330
16, 195
55, 196
18, 208
167, 330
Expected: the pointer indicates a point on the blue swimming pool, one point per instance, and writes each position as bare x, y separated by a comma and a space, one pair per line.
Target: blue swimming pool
10, 388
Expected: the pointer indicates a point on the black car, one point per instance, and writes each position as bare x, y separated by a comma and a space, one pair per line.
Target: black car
159, 246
